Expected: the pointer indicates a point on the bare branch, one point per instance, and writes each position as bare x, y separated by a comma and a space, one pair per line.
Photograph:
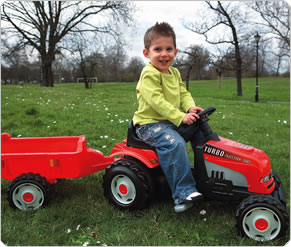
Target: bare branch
44, 24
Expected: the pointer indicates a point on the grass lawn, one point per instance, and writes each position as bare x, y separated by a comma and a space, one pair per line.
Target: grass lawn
78, 212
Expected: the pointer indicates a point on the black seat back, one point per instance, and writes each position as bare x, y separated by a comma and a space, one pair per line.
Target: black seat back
133, 140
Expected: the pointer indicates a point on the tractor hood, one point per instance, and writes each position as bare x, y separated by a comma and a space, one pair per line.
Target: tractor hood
253, 163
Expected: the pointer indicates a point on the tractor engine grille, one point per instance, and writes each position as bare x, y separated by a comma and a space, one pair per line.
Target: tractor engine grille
217, 174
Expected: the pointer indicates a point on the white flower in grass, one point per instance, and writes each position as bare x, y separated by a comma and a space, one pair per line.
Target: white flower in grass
54, 122
230, 133
105, 136
86, 243
104, 146
285, 122
69, 230
78, 227
279, 121
267, 135
203, 212
101, 137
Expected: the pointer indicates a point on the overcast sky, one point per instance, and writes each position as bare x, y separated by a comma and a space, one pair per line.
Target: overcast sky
173, 12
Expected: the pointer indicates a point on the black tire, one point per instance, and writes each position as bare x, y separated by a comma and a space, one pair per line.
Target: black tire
279, 186
127, 184
262, 218
28, 192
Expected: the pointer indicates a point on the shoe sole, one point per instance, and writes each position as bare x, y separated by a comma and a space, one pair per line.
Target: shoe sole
194, 199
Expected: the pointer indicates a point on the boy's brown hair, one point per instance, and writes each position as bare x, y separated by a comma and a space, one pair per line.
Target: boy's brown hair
159, 29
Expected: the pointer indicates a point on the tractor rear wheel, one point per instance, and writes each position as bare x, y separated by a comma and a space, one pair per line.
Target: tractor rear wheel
127, 184
28, 192
261, 218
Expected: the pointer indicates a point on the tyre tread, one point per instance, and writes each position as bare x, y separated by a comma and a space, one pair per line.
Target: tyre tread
132, 165
35, 177
261, 199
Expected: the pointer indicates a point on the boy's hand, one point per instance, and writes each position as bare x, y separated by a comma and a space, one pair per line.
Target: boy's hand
195, 110
190, 118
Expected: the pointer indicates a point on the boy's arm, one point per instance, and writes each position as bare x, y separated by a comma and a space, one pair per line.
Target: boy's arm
152, 93
187, 100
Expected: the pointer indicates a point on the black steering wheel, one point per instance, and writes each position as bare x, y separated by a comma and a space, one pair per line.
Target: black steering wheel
208, 111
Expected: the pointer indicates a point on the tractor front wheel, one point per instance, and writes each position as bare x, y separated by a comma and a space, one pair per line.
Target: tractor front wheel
127, 184
261, 218
28, 192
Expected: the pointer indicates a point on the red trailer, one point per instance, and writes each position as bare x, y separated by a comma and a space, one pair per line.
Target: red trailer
33, 163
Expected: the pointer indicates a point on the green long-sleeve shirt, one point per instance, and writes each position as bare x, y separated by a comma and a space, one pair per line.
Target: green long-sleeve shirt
161, 97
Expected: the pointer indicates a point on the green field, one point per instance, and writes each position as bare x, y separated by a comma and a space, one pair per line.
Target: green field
78, 212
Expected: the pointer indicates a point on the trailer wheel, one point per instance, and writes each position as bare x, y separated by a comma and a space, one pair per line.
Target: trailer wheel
28, 192
128, 185
261, 218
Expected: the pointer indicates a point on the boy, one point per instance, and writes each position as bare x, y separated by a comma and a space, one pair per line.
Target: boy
160, 122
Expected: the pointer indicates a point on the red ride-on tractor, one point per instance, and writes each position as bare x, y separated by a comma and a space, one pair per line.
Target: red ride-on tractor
223, 169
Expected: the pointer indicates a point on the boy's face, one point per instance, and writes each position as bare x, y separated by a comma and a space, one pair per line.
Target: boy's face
161, 53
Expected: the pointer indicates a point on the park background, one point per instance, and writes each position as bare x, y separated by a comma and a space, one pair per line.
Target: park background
40, 97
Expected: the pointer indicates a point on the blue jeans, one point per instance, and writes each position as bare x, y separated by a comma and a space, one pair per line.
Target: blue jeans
169, 142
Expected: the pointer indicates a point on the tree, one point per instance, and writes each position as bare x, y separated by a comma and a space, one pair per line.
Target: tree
43, 25
114, 62
195, 60
133, 69
220, 63
274, 22
275, 17
226, 15
87, 58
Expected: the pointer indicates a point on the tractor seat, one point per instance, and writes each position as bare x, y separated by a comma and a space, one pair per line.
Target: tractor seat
134, 141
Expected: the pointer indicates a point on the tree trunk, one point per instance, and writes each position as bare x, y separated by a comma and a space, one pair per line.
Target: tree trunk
86, 81
219, 73
237, 49
238, 63
278, 66
188, 77
238, 75
47, 73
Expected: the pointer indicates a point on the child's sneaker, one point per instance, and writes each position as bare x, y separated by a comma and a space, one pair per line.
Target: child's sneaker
182, 207
194, 197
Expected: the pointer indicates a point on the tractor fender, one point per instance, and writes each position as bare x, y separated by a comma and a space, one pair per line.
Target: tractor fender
147, 157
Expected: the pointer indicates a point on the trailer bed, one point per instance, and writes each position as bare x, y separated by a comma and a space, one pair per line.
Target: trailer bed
51, 157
